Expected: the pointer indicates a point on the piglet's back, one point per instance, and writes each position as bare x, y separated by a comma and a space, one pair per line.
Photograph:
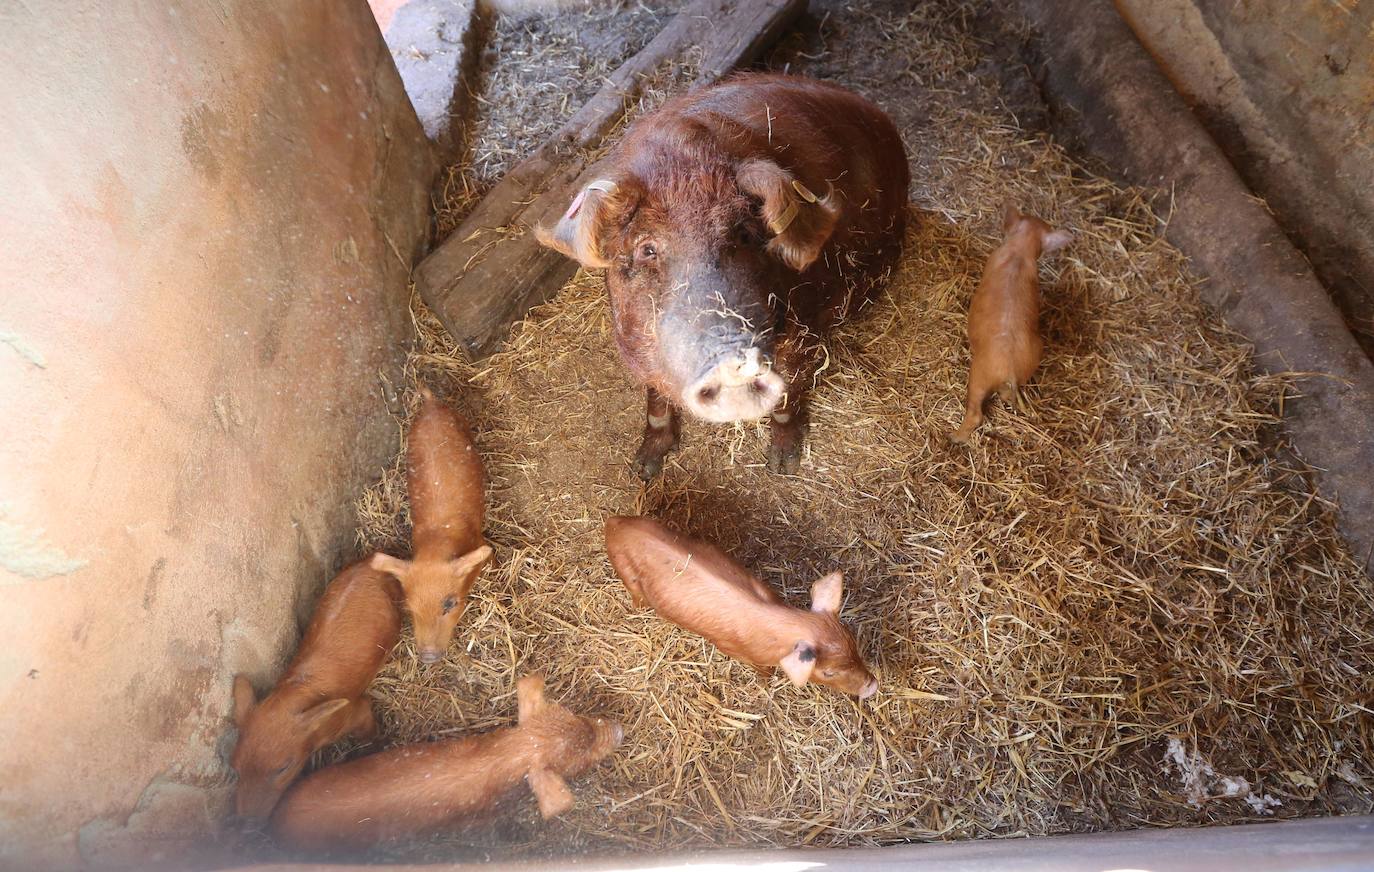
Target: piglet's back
445, 480
667, 567
355, 626
411, 789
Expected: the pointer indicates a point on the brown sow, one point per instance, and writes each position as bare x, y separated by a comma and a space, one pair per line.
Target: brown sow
422, 788
738, 224
1004, 317
701, 589
322, 695
445, 481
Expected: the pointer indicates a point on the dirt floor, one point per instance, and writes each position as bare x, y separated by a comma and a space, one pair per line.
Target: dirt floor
1116, 609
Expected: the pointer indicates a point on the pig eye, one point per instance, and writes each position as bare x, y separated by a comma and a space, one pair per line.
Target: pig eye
646, 251
450, 603
827, 673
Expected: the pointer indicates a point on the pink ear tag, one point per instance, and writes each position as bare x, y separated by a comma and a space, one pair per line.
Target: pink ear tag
576, 203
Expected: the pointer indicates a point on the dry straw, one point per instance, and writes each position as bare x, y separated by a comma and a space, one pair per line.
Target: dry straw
1133, 559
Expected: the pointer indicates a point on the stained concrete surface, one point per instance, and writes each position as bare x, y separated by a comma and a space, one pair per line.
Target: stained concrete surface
208, 212
1323, 845
435, 46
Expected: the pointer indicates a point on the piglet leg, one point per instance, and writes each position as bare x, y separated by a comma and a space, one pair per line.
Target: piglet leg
660, 435
362, 723
980, 387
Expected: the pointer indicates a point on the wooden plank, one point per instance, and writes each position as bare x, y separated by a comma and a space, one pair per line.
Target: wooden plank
491, 271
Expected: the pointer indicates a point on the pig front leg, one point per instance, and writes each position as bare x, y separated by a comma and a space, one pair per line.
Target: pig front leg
788, 426
660, 435
796, 364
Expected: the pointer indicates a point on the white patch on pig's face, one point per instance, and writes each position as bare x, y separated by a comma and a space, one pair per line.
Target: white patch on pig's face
1055, 240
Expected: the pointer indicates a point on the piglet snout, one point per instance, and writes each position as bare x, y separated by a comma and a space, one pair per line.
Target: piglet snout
616, 732
869, 689
742, 387
431, 655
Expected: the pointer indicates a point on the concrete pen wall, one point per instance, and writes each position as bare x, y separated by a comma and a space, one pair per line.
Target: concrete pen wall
207, 214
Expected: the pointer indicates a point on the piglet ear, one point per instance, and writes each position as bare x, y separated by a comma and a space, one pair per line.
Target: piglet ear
529, 695
470, 563
579, 233
1010, 215
316, 718
551, 791
1055, 240
800, 220
800, 662
244, 699
827, 593
392, 565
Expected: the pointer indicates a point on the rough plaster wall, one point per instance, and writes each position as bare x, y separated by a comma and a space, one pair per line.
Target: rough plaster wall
206, 212
1286, 87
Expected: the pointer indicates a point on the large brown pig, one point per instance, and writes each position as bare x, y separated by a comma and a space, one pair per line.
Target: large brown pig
1004, 318
322, 696
445, 482
700, 588
737, 224
415, 789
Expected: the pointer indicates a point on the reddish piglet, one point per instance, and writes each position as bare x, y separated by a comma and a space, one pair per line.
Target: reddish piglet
1004, 317
416, 789
698, 587
321, 697
444, 479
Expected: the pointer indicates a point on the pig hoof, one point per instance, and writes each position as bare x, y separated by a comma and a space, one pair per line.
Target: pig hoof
648, 467
784, 459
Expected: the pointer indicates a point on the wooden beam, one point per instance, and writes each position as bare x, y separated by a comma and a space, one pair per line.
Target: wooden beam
491, 271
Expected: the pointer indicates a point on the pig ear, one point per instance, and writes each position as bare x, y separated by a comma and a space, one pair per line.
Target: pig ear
316, 717
244, 699
1010, 215
529, 695
471, 563
551, 791
800, 220
393, 565
827, 593
1055, 240
799, 663
579, 232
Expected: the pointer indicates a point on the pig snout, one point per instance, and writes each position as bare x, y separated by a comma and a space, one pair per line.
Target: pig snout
431, 655
739, 387
615, 733
869, 689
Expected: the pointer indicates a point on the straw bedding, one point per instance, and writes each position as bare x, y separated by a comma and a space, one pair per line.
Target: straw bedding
1104, 613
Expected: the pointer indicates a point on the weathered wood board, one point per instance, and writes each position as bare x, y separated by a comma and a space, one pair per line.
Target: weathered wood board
491, 271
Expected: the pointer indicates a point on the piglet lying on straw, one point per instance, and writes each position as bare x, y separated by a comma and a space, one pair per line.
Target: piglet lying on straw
698, 587
322, 695
422, 788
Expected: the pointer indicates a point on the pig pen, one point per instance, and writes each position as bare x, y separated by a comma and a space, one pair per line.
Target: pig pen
1122, 607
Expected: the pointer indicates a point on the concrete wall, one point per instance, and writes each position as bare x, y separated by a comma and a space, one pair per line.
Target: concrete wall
207, 212
1286, 87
